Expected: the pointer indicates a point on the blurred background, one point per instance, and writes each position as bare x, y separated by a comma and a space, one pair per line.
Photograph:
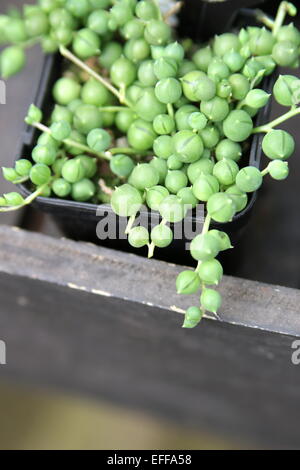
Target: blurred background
36, 419
269, 251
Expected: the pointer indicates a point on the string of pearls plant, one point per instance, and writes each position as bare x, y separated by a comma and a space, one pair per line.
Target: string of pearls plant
184, 114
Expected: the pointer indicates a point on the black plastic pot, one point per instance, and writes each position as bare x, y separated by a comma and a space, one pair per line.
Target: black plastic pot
202, 19
79, 220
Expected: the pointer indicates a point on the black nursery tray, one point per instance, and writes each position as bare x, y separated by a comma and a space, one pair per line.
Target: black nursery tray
79, 220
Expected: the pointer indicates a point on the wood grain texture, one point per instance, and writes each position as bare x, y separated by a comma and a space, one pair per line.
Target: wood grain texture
106, 272
101, 322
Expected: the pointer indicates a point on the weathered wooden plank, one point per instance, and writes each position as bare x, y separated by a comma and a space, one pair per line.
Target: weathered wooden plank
98, 270
102, 322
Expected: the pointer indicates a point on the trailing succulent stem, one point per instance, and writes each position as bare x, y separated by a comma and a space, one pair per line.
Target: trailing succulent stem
69, 55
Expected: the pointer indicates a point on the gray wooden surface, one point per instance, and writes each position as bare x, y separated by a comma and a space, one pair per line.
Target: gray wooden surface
105, 323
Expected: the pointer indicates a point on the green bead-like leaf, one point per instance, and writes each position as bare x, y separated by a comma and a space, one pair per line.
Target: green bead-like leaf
192, 317
278, 169
257, 98
211, 300
287, 90
204, 247
278, 144
161, 236
13, 199
138, 237
223, 239
187, 282
10, 174
23, 167
126, 200
12, 60
60, 130
99, 140
249, 179
34, 115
